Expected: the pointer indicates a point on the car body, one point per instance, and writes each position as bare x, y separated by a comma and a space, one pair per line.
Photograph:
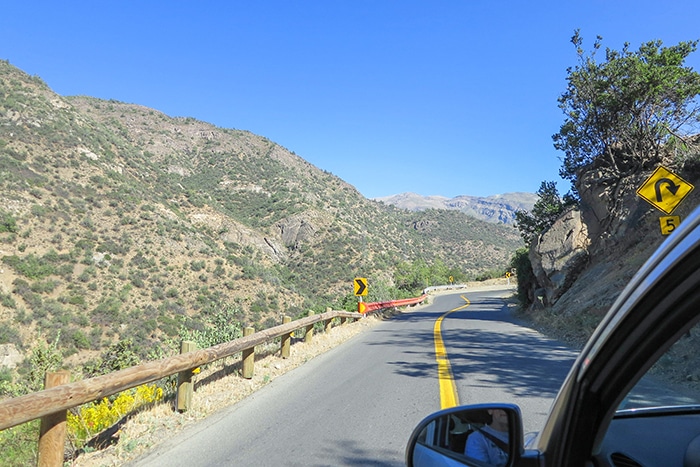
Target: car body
632, 398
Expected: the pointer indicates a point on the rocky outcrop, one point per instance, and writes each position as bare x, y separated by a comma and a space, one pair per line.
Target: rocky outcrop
610, 208
559, 254
296, 230
591, 252
10, 357
423, 225
608, 222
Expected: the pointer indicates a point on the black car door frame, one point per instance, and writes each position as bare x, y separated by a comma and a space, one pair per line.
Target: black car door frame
661, 303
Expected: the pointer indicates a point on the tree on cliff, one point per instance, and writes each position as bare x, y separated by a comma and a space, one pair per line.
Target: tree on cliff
622, 111
547, 208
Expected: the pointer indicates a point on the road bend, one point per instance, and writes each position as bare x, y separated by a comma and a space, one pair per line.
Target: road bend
357, 404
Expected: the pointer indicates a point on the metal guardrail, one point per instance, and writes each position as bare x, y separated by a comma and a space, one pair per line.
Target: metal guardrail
373, 306
363, 307
439, 288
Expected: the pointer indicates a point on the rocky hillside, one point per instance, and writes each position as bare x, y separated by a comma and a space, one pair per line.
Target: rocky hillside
498, 209
117, 221
585, 259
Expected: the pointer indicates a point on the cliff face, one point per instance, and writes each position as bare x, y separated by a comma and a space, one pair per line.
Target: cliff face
583, 261
558, 255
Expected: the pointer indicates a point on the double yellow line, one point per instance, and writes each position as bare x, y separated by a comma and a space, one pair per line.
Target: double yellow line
448, 389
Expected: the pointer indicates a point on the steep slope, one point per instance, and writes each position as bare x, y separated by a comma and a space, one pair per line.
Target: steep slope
578, 279
117, 221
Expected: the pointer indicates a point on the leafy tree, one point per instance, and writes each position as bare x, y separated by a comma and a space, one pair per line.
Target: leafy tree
523, 270
622, 111
416, 276
411, 276
546, 210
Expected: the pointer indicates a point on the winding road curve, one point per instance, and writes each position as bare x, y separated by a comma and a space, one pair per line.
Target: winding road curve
357, 404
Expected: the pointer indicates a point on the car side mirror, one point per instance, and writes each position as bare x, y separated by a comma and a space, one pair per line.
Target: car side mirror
474, 435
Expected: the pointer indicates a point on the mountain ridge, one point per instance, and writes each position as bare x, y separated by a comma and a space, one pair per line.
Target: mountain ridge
500, 208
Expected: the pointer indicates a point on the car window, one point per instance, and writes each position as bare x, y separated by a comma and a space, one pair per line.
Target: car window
674, 380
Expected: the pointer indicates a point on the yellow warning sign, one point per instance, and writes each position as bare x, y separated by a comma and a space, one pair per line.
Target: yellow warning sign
664, 190
360, 286
669, 224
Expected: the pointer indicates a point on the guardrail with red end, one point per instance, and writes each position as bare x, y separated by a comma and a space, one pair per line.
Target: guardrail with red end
364, 308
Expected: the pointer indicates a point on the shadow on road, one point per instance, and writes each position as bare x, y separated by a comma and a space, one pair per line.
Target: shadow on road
351, 452
489, 347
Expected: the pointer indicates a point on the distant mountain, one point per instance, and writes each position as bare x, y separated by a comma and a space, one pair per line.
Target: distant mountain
497, 208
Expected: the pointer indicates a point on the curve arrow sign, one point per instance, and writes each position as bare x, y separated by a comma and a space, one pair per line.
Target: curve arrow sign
670, 186
360, 284
664, 190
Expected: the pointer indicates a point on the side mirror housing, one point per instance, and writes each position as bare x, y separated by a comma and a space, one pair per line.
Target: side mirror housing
473, 435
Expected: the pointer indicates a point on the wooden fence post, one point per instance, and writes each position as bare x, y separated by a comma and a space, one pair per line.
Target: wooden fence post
286, 339
248, 356
308, 337
185, 387
52, 434
329, 322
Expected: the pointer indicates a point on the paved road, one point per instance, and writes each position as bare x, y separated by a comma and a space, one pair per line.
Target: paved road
495, 358
357, 404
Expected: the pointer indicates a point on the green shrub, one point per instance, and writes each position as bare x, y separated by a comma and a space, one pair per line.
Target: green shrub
7, 223
523, 270
108, 311
80, 340
38, 210
47, 286
30, 266
76, 299
7, 301
8, 334
19, 444
117, 357
44, 357
222, 326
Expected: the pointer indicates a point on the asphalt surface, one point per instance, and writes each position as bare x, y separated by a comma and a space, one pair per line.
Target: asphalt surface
357, 404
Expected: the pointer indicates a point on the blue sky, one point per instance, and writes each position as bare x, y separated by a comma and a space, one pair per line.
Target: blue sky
433, 97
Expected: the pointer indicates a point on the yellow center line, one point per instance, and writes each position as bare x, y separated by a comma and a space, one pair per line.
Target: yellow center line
448, 389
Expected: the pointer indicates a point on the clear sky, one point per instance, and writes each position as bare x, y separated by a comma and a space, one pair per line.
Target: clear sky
439, 97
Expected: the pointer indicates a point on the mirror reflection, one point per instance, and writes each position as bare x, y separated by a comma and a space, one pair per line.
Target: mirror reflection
479, 435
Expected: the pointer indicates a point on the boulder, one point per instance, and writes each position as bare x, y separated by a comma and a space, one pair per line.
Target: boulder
559, 254
610, 209
10, 357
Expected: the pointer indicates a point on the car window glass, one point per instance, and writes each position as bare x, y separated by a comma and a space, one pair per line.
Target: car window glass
674, 380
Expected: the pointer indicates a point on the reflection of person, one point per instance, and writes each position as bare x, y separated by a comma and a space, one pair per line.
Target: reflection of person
490, 442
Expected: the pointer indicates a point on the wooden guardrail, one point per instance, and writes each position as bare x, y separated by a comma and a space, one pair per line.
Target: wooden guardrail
57, 400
